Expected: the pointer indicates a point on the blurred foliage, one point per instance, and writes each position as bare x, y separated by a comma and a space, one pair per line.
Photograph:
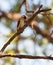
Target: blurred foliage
10, 51
16, 8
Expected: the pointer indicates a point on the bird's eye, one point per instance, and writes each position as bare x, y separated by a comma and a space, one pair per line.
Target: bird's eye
24, 16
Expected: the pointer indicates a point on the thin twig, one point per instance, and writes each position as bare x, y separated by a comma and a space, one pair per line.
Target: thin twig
27, 9
47, 13
21, 5
26, 56
36, 13
8, 42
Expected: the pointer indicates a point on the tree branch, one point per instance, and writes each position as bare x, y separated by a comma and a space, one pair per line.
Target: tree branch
8, 42
43, 33
35, 14
21, 5
11, 16
26, 56
27, 9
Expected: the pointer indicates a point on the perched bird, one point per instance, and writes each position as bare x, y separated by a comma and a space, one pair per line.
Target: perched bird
21, 22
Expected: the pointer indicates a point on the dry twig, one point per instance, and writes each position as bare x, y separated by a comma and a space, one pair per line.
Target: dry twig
27, 10
26, 56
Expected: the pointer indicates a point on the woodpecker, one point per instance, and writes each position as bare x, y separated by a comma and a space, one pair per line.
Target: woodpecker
21, 22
